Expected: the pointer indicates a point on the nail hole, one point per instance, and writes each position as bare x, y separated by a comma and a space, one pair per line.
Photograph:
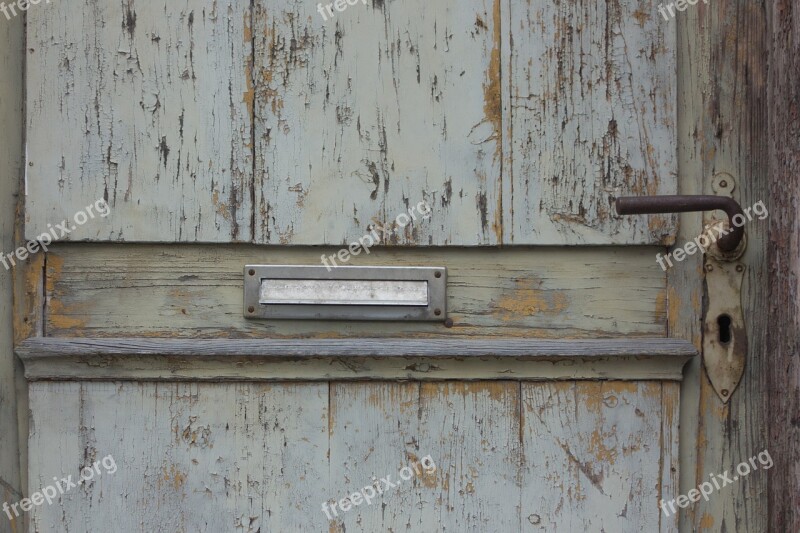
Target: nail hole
724, 323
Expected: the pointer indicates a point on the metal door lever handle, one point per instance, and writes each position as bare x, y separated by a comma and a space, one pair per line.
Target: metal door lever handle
639, 205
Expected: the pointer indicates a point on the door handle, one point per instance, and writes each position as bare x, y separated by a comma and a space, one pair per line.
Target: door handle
724, 332
641, 205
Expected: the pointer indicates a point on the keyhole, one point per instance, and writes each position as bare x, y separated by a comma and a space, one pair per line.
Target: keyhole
724, 323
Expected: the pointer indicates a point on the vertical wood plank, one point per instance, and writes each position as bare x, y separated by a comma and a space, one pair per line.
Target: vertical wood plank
684, 290
148, 106
592, 456
293, 444
669, 484
55, 451
783, 341
361, 117
374, 430
12, 384
472, 431
592, 118
724, 80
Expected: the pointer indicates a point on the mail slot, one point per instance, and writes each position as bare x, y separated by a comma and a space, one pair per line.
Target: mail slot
345, 293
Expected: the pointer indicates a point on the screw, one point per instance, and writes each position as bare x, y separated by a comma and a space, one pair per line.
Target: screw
723, 184
448, 323
437, 275
739, 268
724, 392
709, 268
251, 309
437, 312
252, 272
30, 163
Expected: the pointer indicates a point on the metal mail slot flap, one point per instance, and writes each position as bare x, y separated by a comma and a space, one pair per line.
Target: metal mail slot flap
345, 293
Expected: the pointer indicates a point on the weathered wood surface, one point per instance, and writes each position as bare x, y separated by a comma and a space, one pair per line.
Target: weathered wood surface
147, 105
367, 347
509, 456
12, 452
685, 283
723, 73
592, 110
197, 292
352, 359
566, 422
198, 124
783, 341
360, 117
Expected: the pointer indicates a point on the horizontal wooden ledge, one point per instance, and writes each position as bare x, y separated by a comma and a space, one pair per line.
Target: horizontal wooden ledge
119, 359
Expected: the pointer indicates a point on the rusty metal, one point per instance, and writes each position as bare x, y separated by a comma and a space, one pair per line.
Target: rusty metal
640, 205
724, 352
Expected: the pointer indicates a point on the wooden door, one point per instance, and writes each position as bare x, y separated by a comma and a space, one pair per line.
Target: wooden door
220, 134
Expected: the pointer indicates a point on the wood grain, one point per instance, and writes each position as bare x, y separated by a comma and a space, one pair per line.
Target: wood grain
147, 106
52, 347
363, 116
351, 359
289, 129
597, 444
13, 406
266, 456
196, 292
724, 75
592, 109
783, 337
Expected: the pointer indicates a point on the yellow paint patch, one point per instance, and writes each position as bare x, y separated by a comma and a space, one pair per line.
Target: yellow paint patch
221, 208
60, 316
641, 17
27, 296
249, 96
493, 107
526, 299
173, 476
661, 306
598, 448
674, 309
621, 387
707, 522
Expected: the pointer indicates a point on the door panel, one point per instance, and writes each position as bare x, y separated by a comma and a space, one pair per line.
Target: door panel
592, 109
508, 456
161, 290
146, 108
518, 123
385, 106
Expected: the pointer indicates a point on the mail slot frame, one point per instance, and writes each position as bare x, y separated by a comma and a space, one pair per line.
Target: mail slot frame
434, 311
